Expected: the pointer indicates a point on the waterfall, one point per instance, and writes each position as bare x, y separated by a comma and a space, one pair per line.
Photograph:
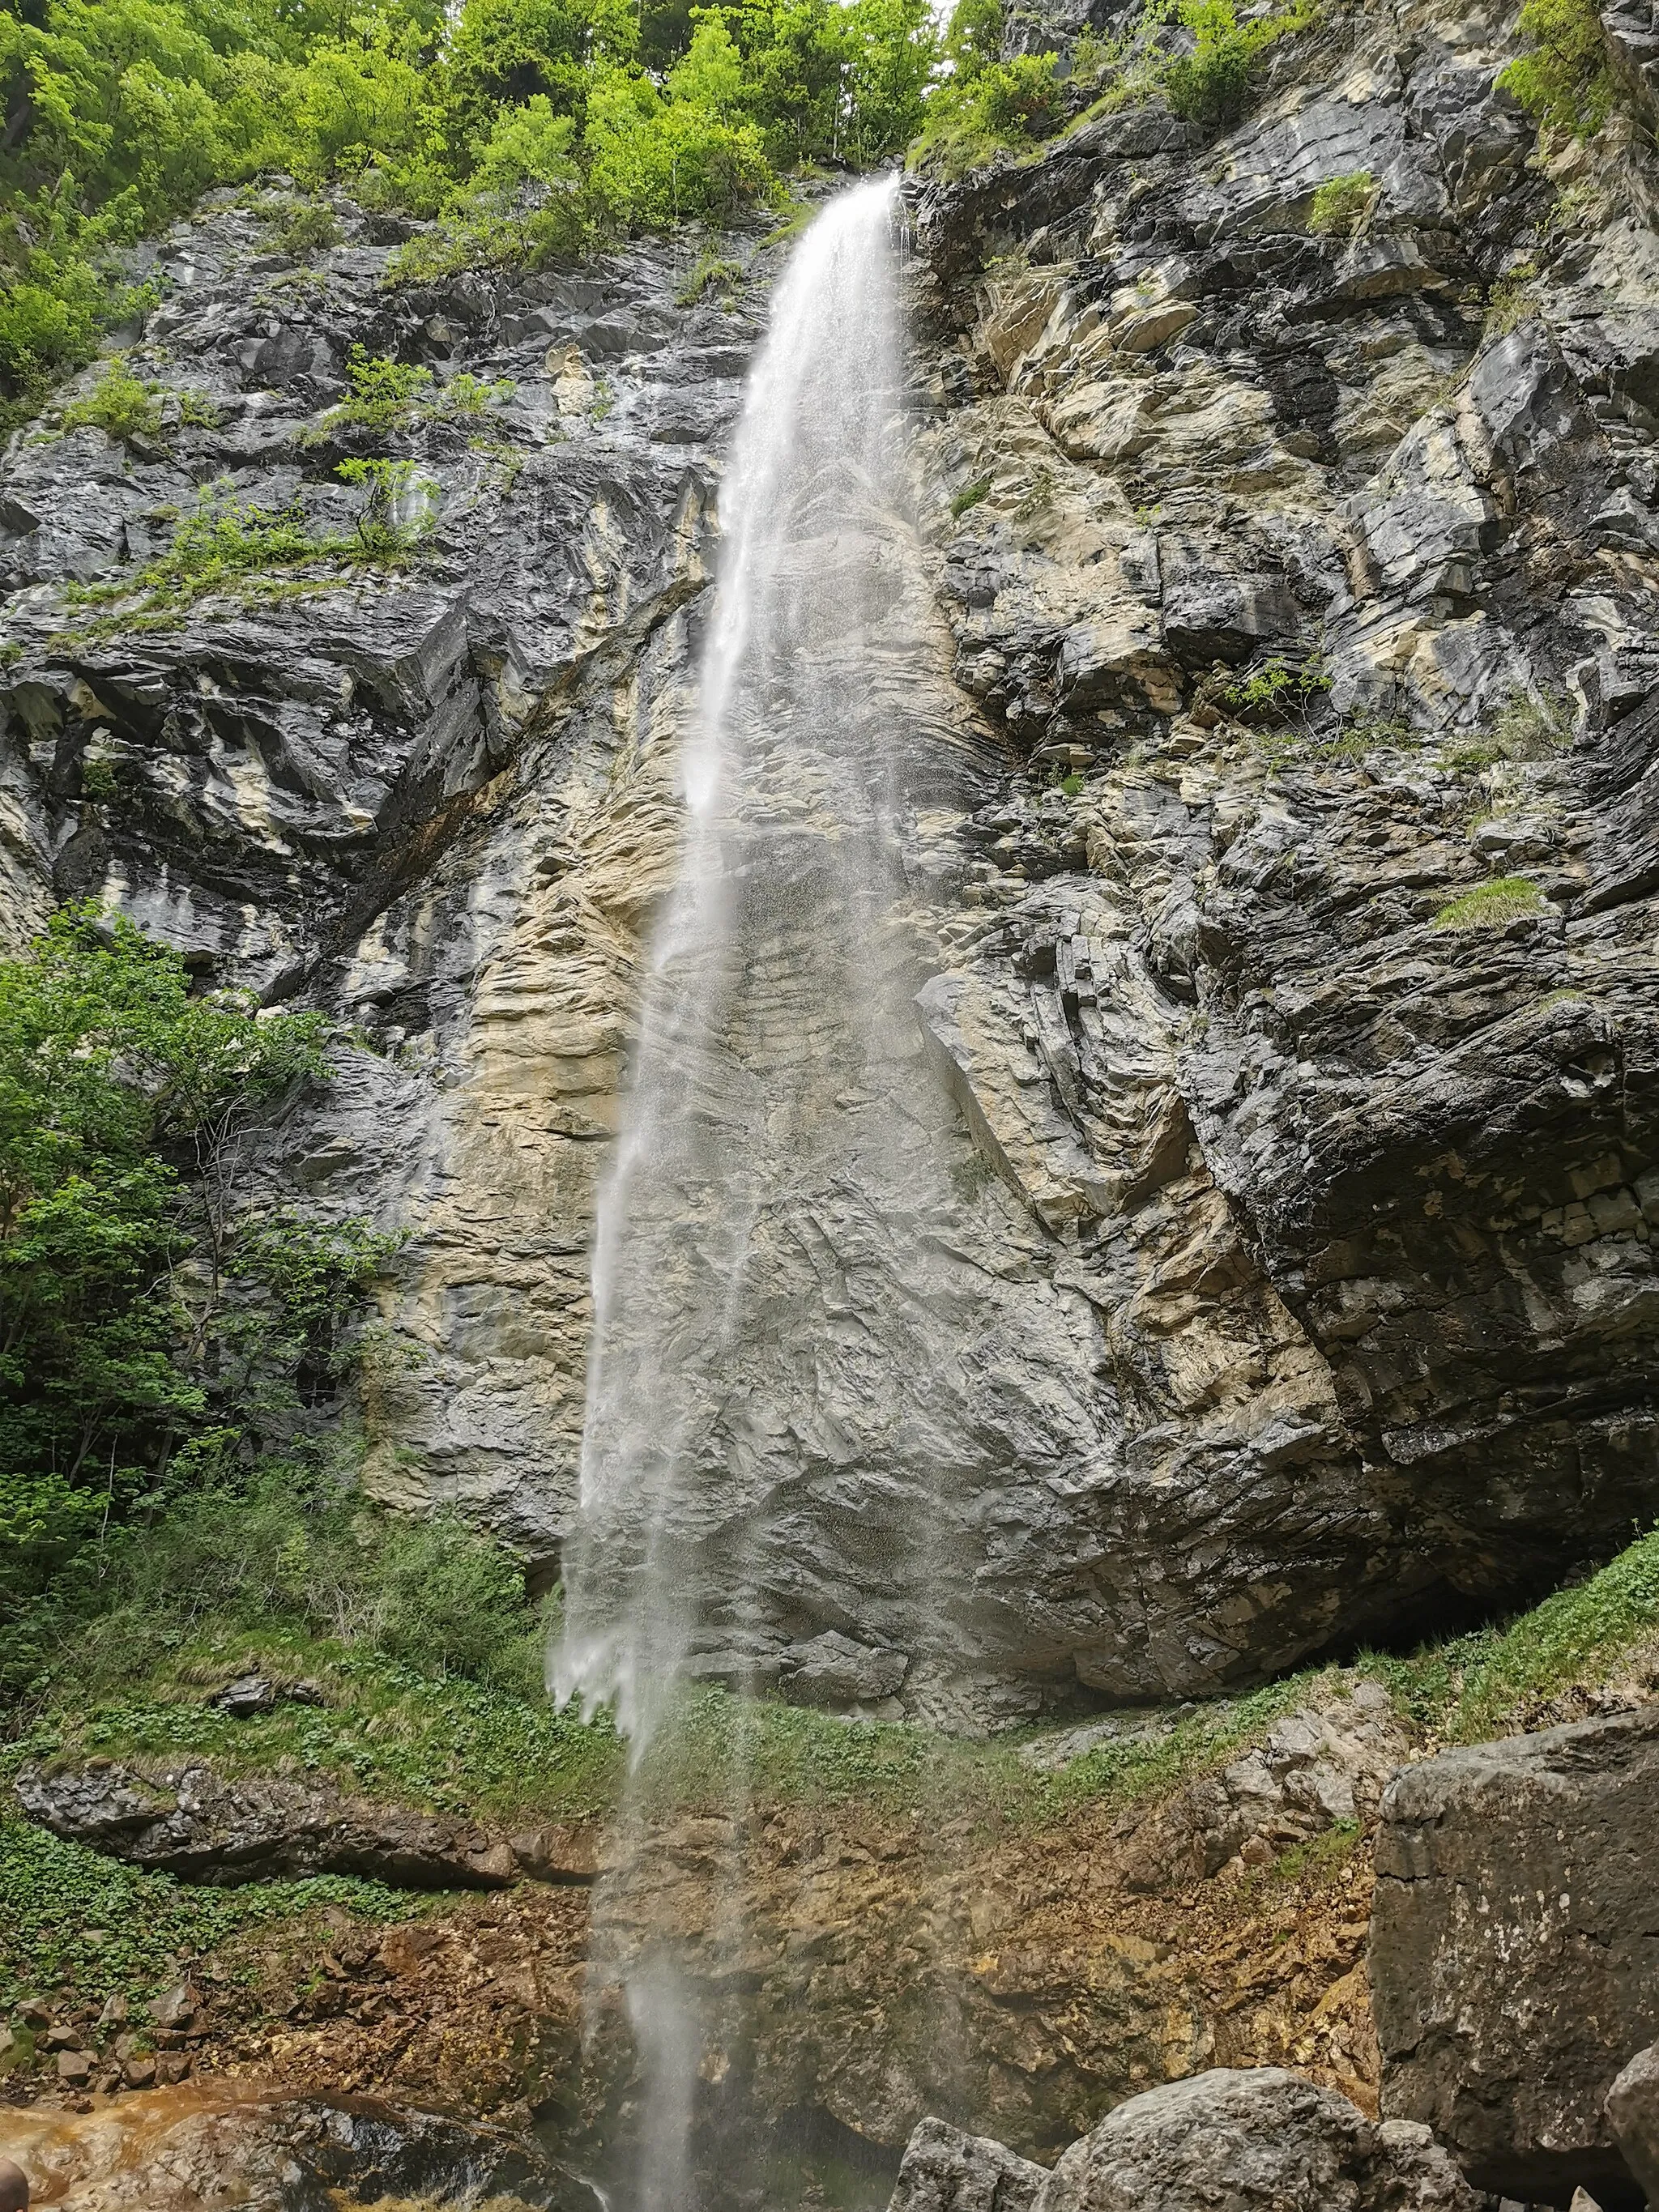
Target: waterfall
777, 1153
777, 1003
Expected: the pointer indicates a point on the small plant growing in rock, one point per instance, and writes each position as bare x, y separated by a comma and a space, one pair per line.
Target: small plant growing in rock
382, 529
1493, 905
1512, 298
99, 786
970, 496
386, 395
301, 226
1211, 85
1341, 204
1531, 725
197, 412
122, 405
711, 274
1278, 687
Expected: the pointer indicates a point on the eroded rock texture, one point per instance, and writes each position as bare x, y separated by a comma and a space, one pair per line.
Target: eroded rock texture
1512, 1953
1296, 1280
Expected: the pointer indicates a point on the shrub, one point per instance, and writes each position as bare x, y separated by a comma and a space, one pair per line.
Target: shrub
1277, 687
120, 404
1562, 79
710, 273
1341, 204
1211, 85
1532, 726
300, 227
1493, 905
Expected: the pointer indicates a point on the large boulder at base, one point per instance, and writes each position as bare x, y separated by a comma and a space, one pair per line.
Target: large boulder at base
947, 2170
1258, 2141
1514, 1959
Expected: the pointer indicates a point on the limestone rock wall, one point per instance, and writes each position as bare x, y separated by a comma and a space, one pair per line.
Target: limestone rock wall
1297, 1284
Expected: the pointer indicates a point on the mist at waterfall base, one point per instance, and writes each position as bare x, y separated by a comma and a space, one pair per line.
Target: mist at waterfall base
776, 1023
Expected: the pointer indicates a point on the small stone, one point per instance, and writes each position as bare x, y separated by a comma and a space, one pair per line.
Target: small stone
114, 2012
73, 2065
248, 1694
62, 2038
174, 2008
172, 2067
138, 2072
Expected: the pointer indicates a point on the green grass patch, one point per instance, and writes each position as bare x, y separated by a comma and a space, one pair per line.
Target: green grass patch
712, 274
82, 1928
970, 496
1493, 905
1573, 1639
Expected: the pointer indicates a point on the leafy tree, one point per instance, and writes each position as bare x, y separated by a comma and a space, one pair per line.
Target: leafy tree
109, 1070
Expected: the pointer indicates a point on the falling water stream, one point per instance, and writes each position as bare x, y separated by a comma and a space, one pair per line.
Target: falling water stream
776, 1030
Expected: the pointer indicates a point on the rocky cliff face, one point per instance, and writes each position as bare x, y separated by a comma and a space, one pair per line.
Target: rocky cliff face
1282, 928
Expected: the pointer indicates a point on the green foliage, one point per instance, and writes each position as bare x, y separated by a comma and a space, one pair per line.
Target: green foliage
300, 227
1493, 905
970, 496
1211, 85
1512, 298
986, 103
384, 395
121, 405
105, 1059
1562, 79
1532, 726
234, 547
1277, 688
1342, 203
530, 127
87, 1928
711, 274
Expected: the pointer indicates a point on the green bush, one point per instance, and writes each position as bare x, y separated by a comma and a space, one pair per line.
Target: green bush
301, 228
1212, 86
969, 497
1562, 79
1342, 203
120, 404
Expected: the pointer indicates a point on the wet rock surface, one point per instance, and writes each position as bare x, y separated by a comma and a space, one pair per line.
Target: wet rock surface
1511, 1953
195, 1824
246, 2144
1296, 1288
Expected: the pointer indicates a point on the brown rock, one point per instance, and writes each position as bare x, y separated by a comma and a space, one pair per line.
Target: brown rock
73, 2065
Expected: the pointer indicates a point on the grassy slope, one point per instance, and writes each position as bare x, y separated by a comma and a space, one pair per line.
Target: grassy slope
453, 1745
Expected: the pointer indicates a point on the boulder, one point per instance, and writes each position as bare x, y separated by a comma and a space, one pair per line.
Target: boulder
945, 2170
195, 1824
1262, 2140
1512, 1961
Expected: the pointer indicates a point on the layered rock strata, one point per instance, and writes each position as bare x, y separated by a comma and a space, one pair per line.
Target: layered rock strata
1281, 919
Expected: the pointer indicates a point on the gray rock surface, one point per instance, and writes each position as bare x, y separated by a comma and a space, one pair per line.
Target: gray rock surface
1513, 1960
1632, 2104
1297, 1286
946, 2170
194, 1823
1256, 2141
